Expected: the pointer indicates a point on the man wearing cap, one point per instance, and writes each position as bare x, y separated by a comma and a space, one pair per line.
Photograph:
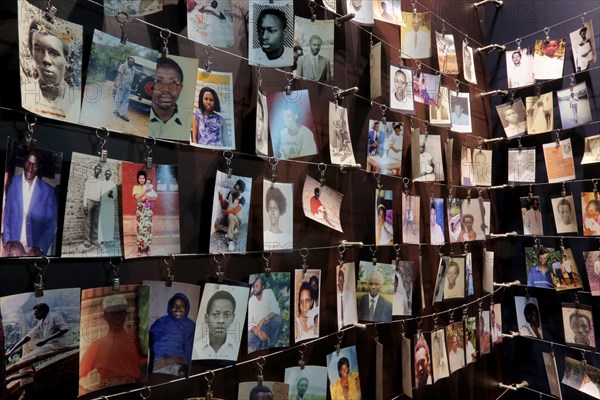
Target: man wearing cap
231, 205
125, 74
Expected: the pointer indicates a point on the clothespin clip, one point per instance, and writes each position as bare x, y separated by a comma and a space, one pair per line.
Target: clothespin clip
50, 11
145, 392
377, 177
322, 167
339, 335
208, 65
220, 273
340, 94
209, 381
373, 249
311, 5
273, 161
405, 182
260, 377
290, 80
301, 350
164, 35
228, 155
383, 109
30, 142
115, 273
557, 139
340, 20
304, 255
397, 249
103, 153
267, 259
148, 156
122, 18
169, 267
39, 285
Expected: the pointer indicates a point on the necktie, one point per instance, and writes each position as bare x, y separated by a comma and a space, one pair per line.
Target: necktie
315, 67
415, 40
342, 309
372, 309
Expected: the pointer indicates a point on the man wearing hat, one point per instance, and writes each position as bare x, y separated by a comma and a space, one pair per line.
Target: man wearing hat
231, 206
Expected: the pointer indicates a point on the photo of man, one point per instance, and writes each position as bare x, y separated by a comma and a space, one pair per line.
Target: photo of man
519, 67
436, 222
468, 64
513, 118
403, 288
592, 267
265, 390
582, 376
340, 142
454, 282
385, 147
584, 46
346, 295
540, 113
579, 325
401, 90
439, 356
374, 291
416, 34
564, 214
210, 22
446, 51
322, 204
539, 274
439, 114
461, 111
548, 58
306, 383
316, 40
532, 215
268, 311
574, 106
426, 88
456, 347
388, 11
410, 219
591, 152
363, 11
422, 357
272, 27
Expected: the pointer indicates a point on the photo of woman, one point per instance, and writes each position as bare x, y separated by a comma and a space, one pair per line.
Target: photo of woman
145, 197
306, 321
342, 368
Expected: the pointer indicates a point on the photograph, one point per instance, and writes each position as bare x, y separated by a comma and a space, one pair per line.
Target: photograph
403, 288
579, 325
482, 161
211, 22
538, 263
439, 114
426, 153
565, 274
375, 291
583, 46
552, 374
346, 295
389, 11
470, 338
436, 222
485, 336
119, 85
574, 106
467, 175
271, 33
342, 371
454, 279
308, 383
532, 215
519, 67
438, 292
363, 11
468, 63
560, 166
401, 89
220, 321
416, 35
488, 271
453, 210
591, 152
563, 208
150, 210
269, 311
30, 219
513, 118
171, 335
93, 226
469, 284
548, 58
422, 361
384, 217
446, 52
590, 213
307, 289
50, 56
340, 141
582, 376
528, 317
540, 113
375, 70
315, 39
384, 147
132, 8
114, 326
291, 125
475, 219
267, 390
521, 165
592, 266
262, 124
278, 216
173, 93
229, 232
411, 221
407, 366
322, 204
426, 88
330, 5
496, 323
41, 335
439, 356
460, 116
213, 119
456, 346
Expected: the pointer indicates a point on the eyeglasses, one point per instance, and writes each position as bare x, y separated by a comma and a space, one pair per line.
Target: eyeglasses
305, 301
170, 86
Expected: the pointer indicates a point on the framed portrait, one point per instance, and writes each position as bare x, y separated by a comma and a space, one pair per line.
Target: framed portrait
591, 152
133, 8
309, 382
456, 346
485, 336
340, 141
322, 204
560, 166
422, 360
278, 216
313, 49
475, 219
531, 213
411, 221
513, 118
453, 206
521, 165
552, 374
439, 114
401, 89
590, 213
439, 356
385, 146
210, 22
519, 67
548, 58
563, 208
436, 222
363, 11
262, 124
468, 63
579, 325
470, 339
346, 295
528, 317
342, 370
574, 106
592, 266
307, 288
403, 288
384, 217
388, 11
446, 51
375, 291
583, 46
50, 55
273, 390
427, 165
540, 113
375, 70
271, 33
426, 88
461, 111
488, 271
582, 376
416, 35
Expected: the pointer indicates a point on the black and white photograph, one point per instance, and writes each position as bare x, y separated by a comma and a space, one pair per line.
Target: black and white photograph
426, 88
582, 376
579, 325
468, 63
322, 204
389, 11
439, 114
411, 219
401, 89
583, 46
307, 299
475, 219
263, 390
362, 10
460, 116
558, 157
346, 295
513, 118
403, 288
549, 58
278, 216
422, 360
439, 356
565, 218
384, 217
132, 8
532, 215
482, 167
262, 125
454, 279
211, 22
50, 55
436, 222
521, 165
375, 291
467, 175
416, 35
315, 38
426, 153
519, 67
540, 113
340, 142
574, 106
552, 374
342, 370
446, 52
384, 147
591, 150
306, 382
456, 346
271, 33
528, 317
375, 70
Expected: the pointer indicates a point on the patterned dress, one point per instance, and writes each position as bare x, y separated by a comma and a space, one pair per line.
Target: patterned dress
143, 217
210, 129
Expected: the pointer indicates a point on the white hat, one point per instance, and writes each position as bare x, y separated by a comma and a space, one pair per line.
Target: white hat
115, 302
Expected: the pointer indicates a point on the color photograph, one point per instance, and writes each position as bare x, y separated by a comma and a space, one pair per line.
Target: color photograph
322, 204
456, 346
385, 147
375, 291
592, 266
342, 370
548, 58
266, 390
307, 287
308, 383
582, 376
565, 274
363, 11
422, 360
384, 217
590, 213
210, 22
528, 317
426, 88
446, 51
346, 295
436, 222
531, 213
411, 219
416, 35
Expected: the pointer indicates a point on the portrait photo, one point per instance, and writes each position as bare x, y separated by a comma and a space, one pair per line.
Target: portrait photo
230, 211
591, 152
470, 339
118, 87
521, 165
211, 22
133, 8
213, 121
262, 124
278, 218
403, 288
574, 106
426, 88
582, 376
519, 67
566, 275
483, 329
384, 147
540, 113
552, 374
513, 118
346, 295
93, 227
438, 292
114, 337
220, 321
453, 206
590, 213
422, 360
426, 153
456, 346
468, 63
563, 208
528, 317
496, 323
309, 382
307, 288
321, 203
269, 311
384, 218
268, 390
454, 279
411, 221
291, 125
41, 335
401, 89
460, 116
150, 210
340, 141
173, 92
50, 55
578, 323
439, 356
583, 46
375, 291
436, 221
439, 114
271, 33
592, 266
467, 175
416, 35
342, 371
532, 215
560, 165
469, 284
538, 263
548, 58
171, 335
475, 219
482, 167
30, 219
316, 40
446, 52
375, 70
389, 11
363, 11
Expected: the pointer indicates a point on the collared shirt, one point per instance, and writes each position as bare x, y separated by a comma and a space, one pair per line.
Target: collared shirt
93, 190
203, 350
259, 309
127, 72
27, 194
178, 127
51, 324
539, 278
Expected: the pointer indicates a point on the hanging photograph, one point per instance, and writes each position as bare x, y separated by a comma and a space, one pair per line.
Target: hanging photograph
340, 142
574, 106
389, 11
262, 124
582, 376
563, 208
384, 218
454, 279
532, 215
307, 287
322, 204
540, 113
590, 213
271, 33
513, 118
315, 38
446, 52
269, 311
171, 335
374, 291
41, 336
566, 275
436, 222
31, 218
220, 321
560, 166
291, 125
342, 371
132, 8
93, 226
426, 88
114, 337
470, 339
411, 219
591, 152
438, 292
488, 271
468, 64
549, 58
528, 317
439, 114
278, 218
485, 336
584, 47
475, 219
213, 121
363, 11
461, 111
537, 264
426, 153
210, 22
266, 389
375, 70
456, 346
592, 266
384, 147
466, 166
173, 92
552, 374
439, 357
50, 56
407, 367
346, 295
453, 206
422, 361
401, 89
482, 167
119, 85
306, 382
403, 288
519, 67
229, 230
415, 35
469, 284
496, 323
579, 325
521, 165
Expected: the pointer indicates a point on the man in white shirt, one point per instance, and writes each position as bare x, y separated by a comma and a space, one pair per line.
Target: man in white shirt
458, 116
92, 195
568, 267
346, 303
271, 28
125, 74
532, 219
265, 325
417, 43
514, 127
216, 342
314, 66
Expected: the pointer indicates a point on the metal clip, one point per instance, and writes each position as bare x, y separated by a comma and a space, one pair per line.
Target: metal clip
377, 177
397, 248
220, 273
304, 255
383, 109
547, 33
339, 335
405, 182
39, 285
260, 377
273, 161
143, 391
115, 273
170, 276
322, 167
30, 142
208, 65
301, 349
122, 18
557, 139
435, 321
530, 194
148, 158
572, 81
228, 155
102, 140
164, 35
267, 259
290, 80
373, 249
209, 381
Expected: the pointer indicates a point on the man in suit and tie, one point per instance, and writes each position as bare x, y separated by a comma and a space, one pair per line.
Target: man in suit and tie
372, 306
314, 66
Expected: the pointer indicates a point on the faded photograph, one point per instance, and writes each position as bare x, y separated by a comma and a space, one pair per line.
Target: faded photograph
468, 63
340, 142
315, 39
519, 67
266, 390
322, 204
461, 111
403, 288
278, 217
513, 118
582, 376
532, 215
446, 51
528, 317
401, 89
439, 114
362, 9
439, 356
552, 374
574, 106
389, 11
210, 22
590, 213
454, 280
540, 113
308, 382
592, 266
482, 167
548, 58
271, 33
132, 8
453, 210
565, 218
411, 219
384, 218
346, 295
496, 323
416, 35
521, 165
579, 325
